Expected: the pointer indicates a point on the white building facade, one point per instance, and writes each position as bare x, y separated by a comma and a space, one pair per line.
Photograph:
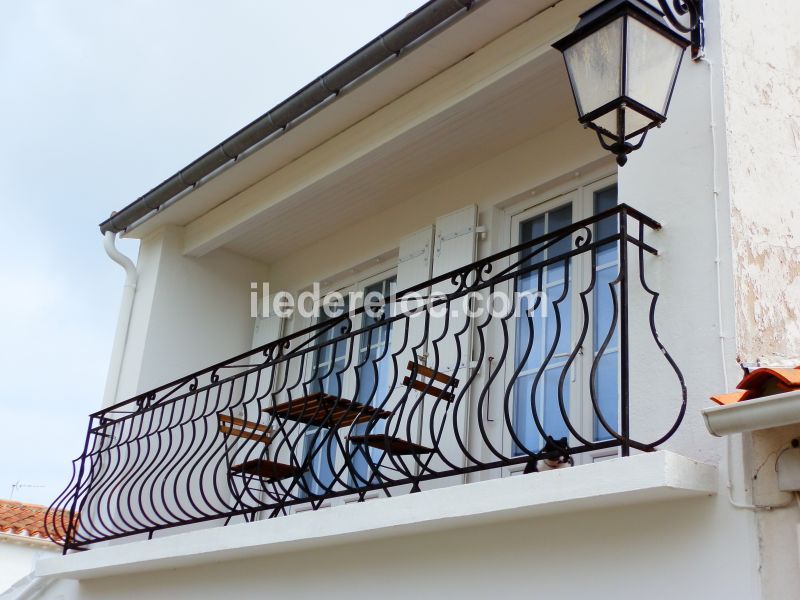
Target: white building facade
456, 168
18, 556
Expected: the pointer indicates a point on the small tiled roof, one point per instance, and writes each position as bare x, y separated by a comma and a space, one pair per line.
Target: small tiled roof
23, 519
764, 381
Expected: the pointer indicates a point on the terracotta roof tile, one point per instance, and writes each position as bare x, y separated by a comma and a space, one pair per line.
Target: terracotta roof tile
764, 381
21, 518
731, 398
762, 377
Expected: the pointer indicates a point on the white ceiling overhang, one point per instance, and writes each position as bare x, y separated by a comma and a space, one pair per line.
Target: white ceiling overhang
485, 84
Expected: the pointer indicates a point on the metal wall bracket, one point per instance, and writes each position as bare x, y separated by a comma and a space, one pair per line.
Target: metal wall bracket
676, 11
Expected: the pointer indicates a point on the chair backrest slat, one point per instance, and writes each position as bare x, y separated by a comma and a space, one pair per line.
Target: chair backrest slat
417, 374
247, 430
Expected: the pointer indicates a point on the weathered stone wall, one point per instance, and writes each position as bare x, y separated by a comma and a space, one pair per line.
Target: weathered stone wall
761, 63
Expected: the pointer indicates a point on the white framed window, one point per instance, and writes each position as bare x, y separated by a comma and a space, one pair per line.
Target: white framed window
373, 373
544, 389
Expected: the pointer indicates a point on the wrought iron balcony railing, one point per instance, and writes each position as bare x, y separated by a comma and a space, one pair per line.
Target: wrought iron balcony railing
416, 395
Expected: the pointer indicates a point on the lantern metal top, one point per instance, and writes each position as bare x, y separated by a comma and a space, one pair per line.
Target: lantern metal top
604, 13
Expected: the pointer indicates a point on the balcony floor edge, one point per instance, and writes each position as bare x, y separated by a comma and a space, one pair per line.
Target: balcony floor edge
657, 476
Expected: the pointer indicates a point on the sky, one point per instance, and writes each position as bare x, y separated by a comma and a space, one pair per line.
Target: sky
100, 102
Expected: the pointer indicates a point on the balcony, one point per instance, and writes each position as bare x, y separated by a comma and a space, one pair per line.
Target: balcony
425, 392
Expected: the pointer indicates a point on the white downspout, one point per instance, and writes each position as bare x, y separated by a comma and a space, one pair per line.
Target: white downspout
124, 320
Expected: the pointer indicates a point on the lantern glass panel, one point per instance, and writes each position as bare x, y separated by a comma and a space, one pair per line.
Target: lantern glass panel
608, 122
634, 122
595, 67
652, 62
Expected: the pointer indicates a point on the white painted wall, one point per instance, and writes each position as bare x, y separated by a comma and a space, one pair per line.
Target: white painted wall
17, 559
660, 551
779, 528
678, 178
188, 312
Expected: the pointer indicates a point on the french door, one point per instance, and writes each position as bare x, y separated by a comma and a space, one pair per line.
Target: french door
365, 363
353, 368
549, 394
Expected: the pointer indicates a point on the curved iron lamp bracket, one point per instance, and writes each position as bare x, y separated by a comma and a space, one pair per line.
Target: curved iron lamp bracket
676, 10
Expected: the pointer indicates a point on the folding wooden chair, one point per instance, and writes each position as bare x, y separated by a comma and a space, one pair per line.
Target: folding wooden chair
421, 379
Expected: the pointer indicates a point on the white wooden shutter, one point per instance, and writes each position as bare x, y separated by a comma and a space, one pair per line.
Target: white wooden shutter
267, 329
414, 267
414, 263
454, 247
455, 240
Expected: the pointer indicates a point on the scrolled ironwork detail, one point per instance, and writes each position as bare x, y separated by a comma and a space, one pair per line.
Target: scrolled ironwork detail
583, 238
390, 405
676, 12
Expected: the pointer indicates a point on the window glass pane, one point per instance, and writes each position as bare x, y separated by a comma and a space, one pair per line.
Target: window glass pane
554, 424
375, 361
607, 269
530, 325
531, 229
360, 468
544, 330
556, 219
604, 307
605, 200
559, 313
541, 327
375, 348
607, 394
524, 425
330, 358
528, 231
321, 450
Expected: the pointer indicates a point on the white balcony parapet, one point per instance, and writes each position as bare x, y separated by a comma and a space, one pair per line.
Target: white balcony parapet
649, 477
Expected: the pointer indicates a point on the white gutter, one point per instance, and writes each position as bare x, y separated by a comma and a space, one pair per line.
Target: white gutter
123, 322
750, 415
